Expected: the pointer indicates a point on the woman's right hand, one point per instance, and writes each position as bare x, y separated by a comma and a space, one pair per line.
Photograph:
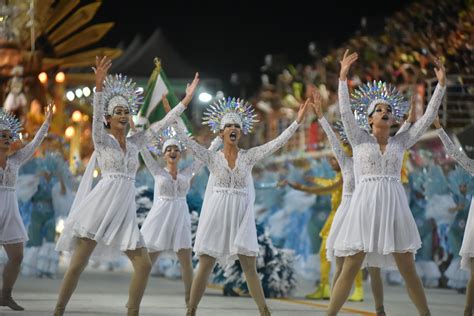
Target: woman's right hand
317, 102
101, 69
346, 63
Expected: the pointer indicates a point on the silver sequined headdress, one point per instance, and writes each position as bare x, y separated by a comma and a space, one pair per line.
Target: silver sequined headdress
366, 97
10, 123
166, 138
121, 91
339, 127
230, 110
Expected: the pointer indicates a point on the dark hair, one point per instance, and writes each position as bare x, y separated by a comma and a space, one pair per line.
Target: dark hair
107, 124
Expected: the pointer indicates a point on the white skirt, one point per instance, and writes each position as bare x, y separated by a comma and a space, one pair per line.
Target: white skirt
227, 228
12, 229
467, 247
167, 226
108, 216
337, 225
379, 223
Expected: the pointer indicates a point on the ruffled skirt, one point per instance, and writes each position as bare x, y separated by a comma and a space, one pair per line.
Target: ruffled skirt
12, 229
337, 225
467, 248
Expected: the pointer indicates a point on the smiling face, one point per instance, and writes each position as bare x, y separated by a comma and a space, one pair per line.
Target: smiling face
6, 139
172, 154
120, 117
231, 133
382, 116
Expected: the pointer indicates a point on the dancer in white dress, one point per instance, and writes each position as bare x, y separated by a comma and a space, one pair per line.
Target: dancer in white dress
105, 216
226, 230
379, 226
167, 227
12, 231
467, 248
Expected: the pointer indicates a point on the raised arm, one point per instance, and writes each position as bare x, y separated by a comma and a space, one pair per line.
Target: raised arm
260, 152
420, 126
197, 164
327, 186
150, 162
101, 69
25, 153
340, 154
453, 150
355, 134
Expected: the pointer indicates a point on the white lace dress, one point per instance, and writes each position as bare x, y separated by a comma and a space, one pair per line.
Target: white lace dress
167, 226
107, 213
12, 229
467, 247
227, 223
348, 184
379, 221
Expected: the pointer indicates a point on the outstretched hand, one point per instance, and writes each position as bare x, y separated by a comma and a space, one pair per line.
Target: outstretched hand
190, 89
49, 112
411, 113
302, 110
101, 70
346, 62
316, 104
440, 72
436, 123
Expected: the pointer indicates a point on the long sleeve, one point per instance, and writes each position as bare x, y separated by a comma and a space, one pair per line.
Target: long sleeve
150, 162
22, 155
452, 150
412, 135
405, 127
260, 152
98, 130
143, 137
200, 152
197, 164
355, 134
325, 186
334, 141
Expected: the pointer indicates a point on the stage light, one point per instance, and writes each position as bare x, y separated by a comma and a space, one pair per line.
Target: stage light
86, 91
60, 77
76, 116
78, 93
205, 97
70, 96
43, 78
69, 133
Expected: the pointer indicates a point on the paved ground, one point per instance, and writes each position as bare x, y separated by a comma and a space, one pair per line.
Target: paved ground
105, 293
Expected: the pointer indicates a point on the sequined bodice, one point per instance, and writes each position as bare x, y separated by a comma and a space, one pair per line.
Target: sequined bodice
110, 156
368, 158
238, 177
9, 175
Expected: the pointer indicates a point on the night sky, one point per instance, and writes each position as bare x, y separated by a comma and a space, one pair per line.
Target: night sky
218, 39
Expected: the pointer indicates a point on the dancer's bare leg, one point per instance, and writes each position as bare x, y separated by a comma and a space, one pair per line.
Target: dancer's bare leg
376, 284
249, 266
342, 288
10, 274
468, 311
206, 264
79, 260
185, 260
406, 266
154, 256
141, 270
337, 273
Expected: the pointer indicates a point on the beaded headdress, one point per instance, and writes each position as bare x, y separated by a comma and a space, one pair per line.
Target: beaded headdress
166, 138
366, 97
121, 91
230, 110
9, 122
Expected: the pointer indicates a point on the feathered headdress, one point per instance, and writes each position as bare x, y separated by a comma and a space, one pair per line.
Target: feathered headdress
366, 97
228, 111
119, 90
460, 176
9, 122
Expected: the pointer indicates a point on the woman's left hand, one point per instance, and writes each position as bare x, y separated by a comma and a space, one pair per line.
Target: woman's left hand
302, 111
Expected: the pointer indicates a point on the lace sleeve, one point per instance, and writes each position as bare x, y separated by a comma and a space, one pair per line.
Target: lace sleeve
98, 129
420, 126
334, 141
355, 134
201, 152
197, 164
260, 152
25, 153
452, 150
405, 127
144, 137
150, 162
